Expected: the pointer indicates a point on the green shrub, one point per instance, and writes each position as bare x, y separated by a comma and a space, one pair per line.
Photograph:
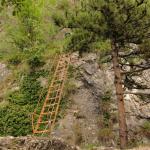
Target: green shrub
16, 98
15, 117
63, 5
15, 60
105, 135
35, 61
30, 88
90, 147
106, 97
58, 19
146, 129
15, 121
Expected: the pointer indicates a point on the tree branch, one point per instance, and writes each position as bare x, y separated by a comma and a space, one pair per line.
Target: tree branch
138, 92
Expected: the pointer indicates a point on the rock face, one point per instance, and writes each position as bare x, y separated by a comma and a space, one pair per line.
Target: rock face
4, 72
80, 125
32, 143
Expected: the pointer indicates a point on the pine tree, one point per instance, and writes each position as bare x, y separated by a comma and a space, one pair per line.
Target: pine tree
122, 22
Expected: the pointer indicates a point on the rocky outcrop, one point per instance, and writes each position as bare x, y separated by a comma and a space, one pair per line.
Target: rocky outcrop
33, 143
92, 81
37, 143
4, 72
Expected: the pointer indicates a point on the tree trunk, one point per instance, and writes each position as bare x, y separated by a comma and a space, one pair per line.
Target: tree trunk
120, 98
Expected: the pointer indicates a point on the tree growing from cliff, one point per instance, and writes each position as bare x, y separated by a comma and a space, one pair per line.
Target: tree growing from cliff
121, 22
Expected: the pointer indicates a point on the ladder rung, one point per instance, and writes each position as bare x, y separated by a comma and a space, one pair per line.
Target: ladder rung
57, 80
48, 113
54, 85
60, 72
61, 69
53, 98
54, 95
57, 90
44, 122
51, 105
63, 66
41, 131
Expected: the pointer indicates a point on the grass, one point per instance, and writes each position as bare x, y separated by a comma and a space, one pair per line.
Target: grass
90, 146
78, 133
145, 129
105, 135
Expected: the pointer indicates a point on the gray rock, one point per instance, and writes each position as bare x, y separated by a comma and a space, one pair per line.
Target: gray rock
4, 72
90, 68
98, 81
33, 143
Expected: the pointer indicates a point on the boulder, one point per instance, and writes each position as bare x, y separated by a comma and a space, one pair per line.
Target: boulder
34, 143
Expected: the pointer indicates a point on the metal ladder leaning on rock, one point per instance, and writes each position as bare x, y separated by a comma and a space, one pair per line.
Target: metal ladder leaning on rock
47, 117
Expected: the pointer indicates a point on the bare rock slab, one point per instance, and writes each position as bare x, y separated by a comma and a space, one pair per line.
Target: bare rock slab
33, 143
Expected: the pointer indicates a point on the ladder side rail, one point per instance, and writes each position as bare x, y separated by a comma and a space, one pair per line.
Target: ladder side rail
52, 121
61, 92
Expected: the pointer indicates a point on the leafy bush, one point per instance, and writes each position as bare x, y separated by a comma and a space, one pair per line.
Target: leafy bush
15, 120
105, 106
35, 61
15, 60
58, 19
91, 146
105, 135
80, 40
30, 88
15, 117
146, 129
27, 33
106, 97
63, 5
16, 98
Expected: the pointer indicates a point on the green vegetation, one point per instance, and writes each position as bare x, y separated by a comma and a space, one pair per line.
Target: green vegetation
29, 29
146, 129
90, 146
15, 120
106, 134
30, 36
16, 116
